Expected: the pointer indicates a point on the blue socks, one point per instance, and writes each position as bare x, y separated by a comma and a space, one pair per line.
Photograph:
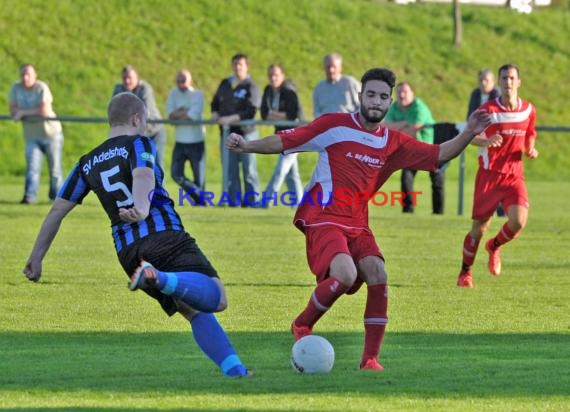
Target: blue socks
214, 342
193, 288
203, 294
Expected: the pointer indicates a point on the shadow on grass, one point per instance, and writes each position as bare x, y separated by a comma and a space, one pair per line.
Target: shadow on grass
139, 409
417, 363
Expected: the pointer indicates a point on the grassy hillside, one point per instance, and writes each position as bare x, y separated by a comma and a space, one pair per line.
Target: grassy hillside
80, 46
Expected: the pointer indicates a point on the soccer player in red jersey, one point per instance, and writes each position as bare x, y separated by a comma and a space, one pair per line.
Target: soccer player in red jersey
500, 178
357, 154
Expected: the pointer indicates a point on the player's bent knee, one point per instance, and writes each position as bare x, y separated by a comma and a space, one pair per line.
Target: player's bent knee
347, 278
185, 310
223, 305
372, 270
517, 225
376, 278
382, 278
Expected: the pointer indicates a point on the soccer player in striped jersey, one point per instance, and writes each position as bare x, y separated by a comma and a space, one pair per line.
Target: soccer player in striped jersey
357, 154
124, 175
500, 177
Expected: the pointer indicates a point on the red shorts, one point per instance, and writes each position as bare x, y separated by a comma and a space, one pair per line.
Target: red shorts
492, 189
327, 241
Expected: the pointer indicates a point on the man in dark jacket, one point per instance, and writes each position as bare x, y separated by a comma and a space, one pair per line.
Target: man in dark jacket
237, 99
485, 92
280, 102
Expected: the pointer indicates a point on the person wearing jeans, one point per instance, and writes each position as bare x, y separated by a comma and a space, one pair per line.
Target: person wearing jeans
280, 102
250, 176
35, 149
237, 99
31, 98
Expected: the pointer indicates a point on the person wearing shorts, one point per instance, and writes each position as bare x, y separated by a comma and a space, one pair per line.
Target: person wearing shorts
160, 257
357, 154
500, 177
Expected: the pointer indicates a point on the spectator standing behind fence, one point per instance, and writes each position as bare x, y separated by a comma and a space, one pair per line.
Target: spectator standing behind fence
280, 102
485, 92
482, 94
338, 93
143, 90
237, 98
184, 102
410, 114
32, 97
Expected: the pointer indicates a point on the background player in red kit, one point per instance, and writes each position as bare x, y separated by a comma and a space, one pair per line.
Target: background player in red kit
356, 154
500, 178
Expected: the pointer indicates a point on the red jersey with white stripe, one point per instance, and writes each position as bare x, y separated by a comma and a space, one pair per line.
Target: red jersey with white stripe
353, 164
516, 127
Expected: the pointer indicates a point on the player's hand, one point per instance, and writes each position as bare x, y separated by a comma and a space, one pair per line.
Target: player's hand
131, 215
235, 143
478, 121
33, 270
531, 153
495, 141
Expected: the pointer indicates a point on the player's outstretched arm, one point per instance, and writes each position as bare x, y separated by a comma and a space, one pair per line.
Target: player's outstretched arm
48, 231
268, 145
493, 141
478, 122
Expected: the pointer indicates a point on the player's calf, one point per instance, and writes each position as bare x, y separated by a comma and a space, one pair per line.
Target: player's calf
195, 289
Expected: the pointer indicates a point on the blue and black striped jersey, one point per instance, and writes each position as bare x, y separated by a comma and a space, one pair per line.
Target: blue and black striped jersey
107, 171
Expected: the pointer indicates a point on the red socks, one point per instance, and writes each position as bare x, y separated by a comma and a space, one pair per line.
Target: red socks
505, 235
375, 313
375, 320
470, 246
325, 294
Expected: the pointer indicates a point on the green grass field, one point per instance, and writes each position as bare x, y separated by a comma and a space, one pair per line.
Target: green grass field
79, 340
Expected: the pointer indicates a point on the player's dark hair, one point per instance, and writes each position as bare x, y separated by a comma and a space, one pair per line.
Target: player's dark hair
240, 56
509, 66
122, 107
382, 74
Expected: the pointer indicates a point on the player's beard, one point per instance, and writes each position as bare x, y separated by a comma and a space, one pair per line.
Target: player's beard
372, 118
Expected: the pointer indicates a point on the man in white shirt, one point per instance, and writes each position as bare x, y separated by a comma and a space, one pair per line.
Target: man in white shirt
184, 102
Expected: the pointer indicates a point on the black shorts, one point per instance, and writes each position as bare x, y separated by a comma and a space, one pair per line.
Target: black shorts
168, 251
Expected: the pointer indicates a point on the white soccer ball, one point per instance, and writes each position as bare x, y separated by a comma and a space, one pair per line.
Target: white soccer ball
312, 354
